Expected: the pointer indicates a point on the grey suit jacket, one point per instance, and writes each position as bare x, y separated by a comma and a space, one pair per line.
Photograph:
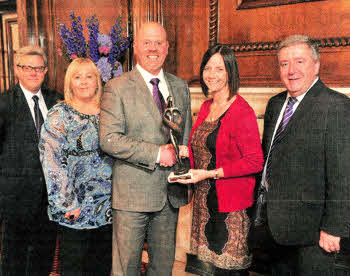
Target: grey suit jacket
131, 130
309, 186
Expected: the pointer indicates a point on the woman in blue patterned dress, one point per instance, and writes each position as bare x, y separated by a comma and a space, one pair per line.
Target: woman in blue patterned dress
78, 174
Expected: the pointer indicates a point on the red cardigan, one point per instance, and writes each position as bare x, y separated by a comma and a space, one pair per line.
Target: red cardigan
238, 153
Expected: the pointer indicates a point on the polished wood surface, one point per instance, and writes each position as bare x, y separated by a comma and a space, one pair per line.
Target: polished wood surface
8, 47
194, 25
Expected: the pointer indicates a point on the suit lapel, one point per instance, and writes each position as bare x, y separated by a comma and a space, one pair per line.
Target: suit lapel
304, 107
47, 98
144, 94
276, 110
23, 114
171, 89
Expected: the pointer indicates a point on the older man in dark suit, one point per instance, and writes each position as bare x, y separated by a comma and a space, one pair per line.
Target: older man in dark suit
28, 235
306, 143
132, 131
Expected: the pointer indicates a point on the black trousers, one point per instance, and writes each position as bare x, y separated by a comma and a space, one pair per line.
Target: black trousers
86, 252
307, 261
28, 247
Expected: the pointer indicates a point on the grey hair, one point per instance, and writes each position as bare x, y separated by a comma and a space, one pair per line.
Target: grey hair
30, 50
300, 39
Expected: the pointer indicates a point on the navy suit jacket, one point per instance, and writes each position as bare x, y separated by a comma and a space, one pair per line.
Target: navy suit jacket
309, 186
21, 178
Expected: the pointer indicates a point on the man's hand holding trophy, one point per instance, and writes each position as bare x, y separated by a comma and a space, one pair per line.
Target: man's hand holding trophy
172, 119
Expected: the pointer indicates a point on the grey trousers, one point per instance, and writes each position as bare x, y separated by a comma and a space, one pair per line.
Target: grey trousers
129, 232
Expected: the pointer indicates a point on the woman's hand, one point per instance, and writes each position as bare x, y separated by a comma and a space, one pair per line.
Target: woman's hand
73, 215
197, 175
183, 151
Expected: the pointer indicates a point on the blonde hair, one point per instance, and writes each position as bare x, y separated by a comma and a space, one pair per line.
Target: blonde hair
73, 67
30, 50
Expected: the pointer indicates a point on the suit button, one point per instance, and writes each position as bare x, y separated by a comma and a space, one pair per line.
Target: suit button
41, 179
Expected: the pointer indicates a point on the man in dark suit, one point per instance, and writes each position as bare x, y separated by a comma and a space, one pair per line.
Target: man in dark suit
132, 131
2, 117
28, 235
306, 143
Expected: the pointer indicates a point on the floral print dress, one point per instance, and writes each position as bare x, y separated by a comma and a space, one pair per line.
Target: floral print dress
218, 239
77, 172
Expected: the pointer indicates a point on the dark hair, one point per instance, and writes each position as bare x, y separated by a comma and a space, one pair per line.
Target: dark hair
231, 67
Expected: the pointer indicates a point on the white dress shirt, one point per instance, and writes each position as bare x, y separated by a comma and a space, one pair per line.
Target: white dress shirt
163, 88
29, 97
295, 106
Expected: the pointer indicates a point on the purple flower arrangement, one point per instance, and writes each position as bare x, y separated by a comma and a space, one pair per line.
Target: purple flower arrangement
105, 50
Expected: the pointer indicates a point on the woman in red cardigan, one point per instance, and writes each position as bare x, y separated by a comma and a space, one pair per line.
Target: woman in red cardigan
225, 153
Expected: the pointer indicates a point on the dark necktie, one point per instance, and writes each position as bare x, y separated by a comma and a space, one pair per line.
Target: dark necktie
37, 114
288, 113
157, 96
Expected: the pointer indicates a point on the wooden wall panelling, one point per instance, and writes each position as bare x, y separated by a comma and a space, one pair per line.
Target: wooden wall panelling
9, 46
192, 47
252, 4
254, 35
43, 30
27, 12
169, 16
320, 19
213, 22
163, 12
181, 16
2, 59
146, 10
48, 40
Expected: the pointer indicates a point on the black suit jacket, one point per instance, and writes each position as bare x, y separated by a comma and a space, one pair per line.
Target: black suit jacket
309, 186
2, 116
21, 178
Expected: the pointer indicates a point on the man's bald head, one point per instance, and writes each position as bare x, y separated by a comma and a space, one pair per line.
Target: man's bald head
151, 47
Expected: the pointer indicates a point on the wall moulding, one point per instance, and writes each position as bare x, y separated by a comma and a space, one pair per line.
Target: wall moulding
252, 4
267, 45
273, 45
255, 56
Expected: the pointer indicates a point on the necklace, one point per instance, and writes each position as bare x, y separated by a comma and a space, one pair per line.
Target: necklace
218, 109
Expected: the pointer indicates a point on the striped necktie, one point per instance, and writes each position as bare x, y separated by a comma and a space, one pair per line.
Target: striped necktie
38, 115
288, 113
157, 95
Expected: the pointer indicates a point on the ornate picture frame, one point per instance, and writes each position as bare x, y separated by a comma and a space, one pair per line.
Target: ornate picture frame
252, 4
263, 53
327, 42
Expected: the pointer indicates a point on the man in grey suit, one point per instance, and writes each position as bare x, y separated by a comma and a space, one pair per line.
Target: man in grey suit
132, 131
306, 144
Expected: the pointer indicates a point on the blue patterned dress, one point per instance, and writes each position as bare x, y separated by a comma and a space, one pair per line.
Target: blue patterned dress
77, 172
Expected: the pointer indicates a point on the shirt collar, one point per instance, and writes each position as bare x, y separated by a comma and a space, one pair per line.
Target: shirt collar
300, 97
147, 76
29, 95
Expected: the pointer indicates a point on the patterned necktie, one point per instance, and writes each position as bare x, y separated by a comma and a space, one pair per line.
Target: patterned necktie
157, 96
288, 113
38, 116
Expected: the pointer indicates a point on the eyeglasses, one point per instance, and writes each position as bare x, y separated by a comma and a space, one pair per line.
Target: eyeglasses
27, 68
